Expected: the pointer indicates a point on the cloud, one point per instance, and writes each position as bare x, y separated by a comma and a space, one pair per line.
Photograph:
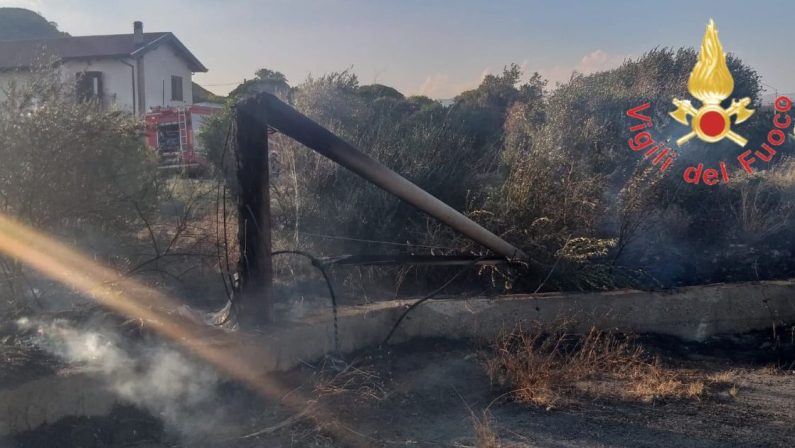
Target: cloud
33, 5
557, 74
599, 60
434, 84
439, 85
595, 61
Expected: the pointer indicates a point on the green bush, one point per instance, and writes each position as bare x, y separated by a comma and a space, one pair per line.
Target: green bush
68, 164
74, 170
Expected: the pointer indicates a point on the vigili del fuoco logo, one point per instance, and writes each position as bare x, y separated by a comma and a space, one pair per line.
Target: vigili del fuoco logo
710, 83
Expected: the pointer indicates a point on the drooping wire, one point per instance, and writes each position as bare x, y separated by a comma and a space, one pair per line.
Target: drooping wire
221, 197
429, 296
319, 265
386, 243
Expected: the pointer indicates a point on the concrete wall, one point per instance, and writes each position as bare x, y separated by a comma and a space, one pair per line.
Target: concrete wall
116, 80
7, 78
159, 65
693, 313
20, 79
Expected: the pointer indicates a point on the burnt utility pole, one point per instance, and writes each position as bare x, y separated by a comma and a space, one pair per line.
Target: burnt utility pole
255, 300
253, 116
293, 124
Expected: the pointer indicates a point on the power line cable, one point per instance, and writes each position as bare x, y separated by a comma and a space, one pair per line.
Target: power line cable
428, 297
387, 243
319, 265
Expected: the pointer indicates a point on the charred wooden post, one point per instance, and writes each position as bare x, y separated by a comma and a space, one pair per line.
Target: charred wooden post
254, 304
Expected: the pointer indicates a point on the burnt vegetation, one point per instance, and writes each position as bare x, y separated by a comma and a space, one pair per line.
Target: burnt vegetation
545, 167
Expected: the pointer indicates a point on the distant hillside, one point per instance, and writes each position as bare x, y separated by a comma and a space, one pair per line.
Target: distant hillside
19, 23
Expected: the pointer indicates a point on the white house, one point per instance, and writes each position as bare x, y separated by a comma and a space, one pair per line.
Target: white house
133, 72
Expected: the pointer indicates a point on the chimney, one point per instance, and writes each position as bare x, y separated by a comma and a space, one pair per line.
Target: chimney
138, 32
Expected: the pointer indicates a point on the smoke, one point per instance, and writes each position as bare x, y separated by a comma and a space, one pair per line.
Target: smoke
151, 375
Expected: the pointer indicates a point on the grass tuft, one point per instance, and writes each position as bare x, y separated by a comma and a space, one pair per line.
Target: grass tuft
485, 434
550, 366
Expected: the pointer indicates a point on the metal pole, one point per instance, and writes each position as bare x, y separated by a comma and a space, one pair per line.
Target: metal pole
297, 126
255, 304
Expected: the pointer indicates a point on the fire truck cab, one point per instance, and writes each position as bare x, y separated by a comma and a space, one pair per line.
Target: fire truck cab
171, 132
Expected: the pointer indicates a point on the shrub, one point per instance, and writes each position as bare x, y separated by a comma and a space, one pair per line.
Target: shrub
70, 168
547, 170
552, 366
67, 163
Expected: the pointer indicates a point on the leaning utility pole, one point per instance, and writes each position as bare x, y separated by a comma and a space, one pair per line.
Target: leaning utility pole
252, 118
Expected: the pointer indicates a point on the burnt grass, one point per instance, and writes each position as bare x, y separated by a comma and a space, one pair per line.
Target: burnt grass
771, 348
425, 393
124, 426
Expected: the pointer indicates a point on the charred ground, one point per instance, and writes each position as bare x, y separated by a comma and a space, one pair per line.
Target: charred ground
438, 392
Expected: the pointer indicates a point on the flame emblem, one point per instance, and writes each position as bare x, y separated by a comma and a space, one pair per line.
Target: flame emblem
711, 83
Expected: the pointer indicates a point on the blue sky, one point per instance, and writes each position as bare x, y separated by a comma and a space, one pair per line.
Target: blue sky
437, 48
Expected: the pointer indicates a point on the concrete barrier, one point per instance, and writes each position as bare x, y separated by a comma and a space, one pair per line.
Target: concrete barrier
692, 313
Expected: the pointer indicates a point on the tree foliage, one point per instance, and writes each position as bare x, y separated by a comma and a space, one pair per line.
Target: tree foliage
73, 170
547, 169
265, 80
66, 163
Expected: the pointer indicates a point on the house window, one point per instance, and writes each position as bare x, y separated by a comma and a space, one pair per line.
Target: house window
176, 88
89, 86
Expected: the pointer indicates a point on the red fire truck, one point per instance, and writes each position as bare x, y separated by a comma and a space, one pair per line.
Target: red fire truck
171, 132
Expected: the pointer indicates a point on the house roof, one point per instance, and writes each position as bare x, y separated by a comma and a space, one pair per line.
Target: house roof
30, 53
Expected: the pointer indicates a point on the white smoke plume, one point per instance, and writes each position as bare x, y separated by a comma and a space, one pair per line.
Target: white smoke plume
169, 385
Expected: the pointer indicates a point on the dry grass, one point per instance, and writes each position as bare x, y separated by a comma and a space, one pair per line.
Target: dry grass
725, 377
334, 384
485, 434
657, 382
549, 366
362, 382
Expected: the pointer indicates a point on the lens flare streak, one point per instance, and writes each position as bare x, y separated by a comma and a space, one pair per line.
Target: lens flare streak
226, 352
